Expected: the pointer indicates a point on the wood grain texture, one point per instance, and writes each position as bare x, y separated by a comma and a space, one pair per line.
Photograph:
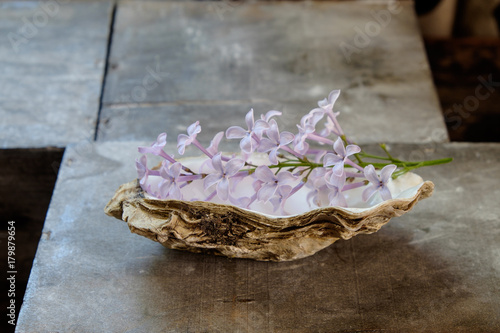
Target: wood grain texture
435, 270
52, 59
169, 59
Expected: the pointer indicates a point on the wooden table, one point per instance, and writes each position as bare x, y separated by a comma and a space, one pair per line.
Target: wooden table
52, 61
434, 269
171, 63
177, 60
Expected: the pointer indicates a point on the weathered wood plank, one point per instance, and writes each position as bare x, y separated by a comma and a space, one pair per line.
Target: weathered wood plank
435, 268
284, 55
51, 70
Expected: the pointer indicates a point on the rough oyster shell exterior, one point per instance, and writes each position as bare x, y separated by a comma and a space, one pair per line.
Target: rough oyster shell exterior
205, 227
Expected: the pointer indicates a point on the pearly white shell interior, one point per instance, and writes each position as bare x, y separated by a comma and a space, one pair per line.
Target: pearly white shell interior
404, 187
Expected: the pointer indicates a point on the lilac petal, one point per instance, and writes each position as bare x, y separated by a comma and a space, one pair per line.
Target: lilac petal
175, 170
141, 165
214, 144
273, 156
304, 121
175, 192
332, 96
329, 128
207, 164
233, 166
322, 103
369, 192
312, 198
210, 180
249, 120
164, 172
217, 163
285, 191
161, 140
337, 181
223, 189
285, 177
164, 187
276, 202
286, 138
240, 202
259, 126
256, 185
352, 149
263, 173
371, 174
339, 148
386, 173
156, 147
273, 132
266, 145
385, 193
338, 200
338, 169
182, 141
144, 178
153, 193
317, 177
270, 114
301, 147
246, 144
235, 132
331, 159
194, 129
145, 150
315, 116
266, 192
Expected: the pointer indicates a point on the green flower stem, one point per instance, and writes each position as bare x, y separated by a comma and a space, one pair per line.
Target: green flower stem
414, 165
403, 166
363, 154
384, 148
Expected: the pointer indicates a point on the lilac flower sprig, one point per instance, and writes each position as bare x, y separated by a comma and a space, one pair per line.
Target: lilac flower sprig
326, 176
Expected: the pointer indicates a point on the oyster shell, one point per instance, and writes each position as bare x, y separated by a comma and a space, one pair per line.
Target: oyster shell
207, 227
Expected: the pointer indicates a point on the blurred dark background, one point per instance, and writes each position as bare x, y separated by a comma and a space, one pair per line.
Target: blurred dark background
463, 48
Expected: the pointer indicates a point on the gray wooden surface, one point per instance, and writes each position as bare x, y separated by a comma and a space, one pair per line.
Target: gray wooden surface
52, 60
434, 269
201, 57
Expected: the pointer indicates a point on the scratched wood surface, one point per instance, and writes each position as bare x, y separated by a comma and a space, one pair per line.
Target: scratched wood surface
270, 55
434, 269
52, 58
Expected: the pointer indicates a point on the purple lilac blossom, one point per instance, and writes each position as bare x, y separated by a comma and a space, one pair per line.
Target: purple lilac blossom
157, 147
184, 140
317, 183
141, 166
214, 144
222, 175
269, 114
270, 183
279, 200
250, 137
328, 103
340, 158
335, 185
168, 186
329, 127
379, 184
274, 141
